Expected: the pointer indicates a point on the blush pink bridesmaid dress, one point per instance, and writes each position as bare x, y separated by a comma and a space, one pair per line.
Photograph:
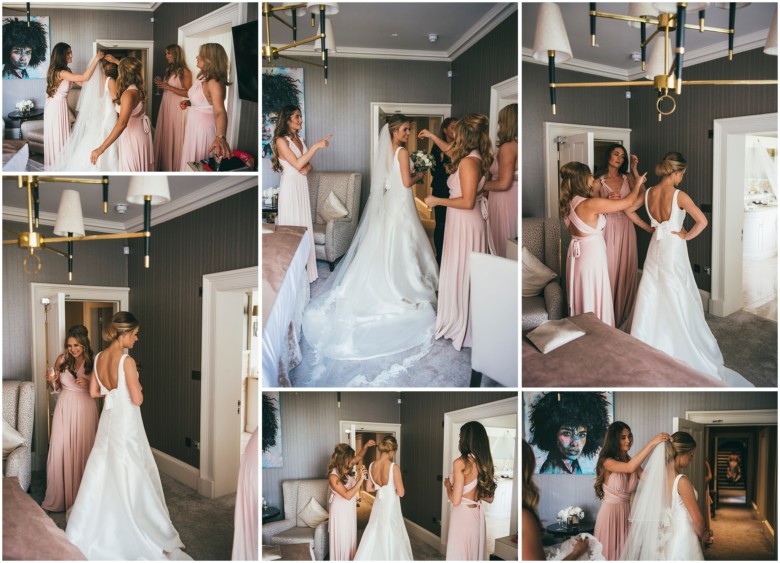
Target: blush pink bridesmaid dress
466, 535
73, 430
56, 123
169, 133
622, 261
135, 142
612, 521
502, 210
201, 127
342, 525
466, 232
587, 276
245, 529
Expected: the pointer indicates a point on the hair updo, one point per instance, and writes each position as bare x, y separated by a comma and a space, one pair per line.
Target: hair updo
395, 121
681, 444
388, 444
121, 323
671, 163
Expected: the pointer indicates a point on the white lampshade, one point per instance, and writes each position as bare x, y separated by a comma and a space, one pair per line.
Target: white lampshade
771, 40
331, 8
640, 9
69, 217
725, 5
655, 62
551, 34
300, 11
330, 39
155, 186
671, 7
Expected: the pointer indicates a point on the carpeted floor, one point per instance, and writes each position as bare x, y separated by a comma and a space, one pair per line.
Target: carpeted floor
204, 525
739, 536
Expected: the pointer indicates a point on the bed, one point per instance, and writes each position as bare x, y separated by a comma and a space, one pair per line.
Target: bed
28, 533
606, 357
285, 294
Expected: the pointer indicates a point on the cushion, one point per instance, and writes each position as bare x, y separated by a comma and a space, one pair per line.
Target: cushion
11, 439
331, 208
313, 514
535, 274
554, 334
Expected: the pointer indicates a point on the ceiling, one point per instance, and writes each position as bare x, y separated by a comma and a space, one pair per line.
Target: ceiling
125, 6
187, 194
365, 29
616, 40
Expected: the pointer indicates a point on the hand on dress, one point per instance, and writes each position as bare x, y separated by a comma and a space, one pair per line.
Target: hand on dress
447, 484
579, 548
322, 143
429, 201
306, 169
82, 381
184, 104
95, 155
682, 233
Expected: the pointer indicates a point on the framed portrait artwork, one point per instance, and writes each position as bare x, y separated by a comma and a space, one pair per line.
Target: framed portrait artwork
25, 47
281, 87
272, 430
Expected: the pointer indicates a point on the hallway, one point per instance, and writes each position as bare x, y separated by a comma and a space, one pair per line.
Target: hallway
739, 537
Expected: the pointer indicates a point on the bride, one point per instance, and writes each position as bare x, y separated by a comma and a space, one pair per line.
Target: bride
668, 313
380, 299
666, 523
96, 118
385, 537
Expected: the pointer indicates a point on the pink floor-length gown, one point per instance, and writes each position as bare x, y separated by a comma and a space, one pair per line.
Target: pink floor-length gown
612, 521
294, 206
201, 127
502, 210
169, 133
587, 275
466, 535
466, 232
342, 525
73, 430
245, 538
622, 261
135, 143
56, 123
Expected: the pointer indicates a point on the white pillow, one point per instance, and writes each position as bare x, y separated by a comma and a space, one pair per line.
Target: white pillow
553, 334
332, 208
535, 274
11, 439
313, 514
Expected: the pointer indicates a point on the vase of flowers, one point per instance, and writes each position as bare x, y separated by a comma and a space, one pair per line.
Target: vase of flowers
423, 161
271, 197
570, 517
25, 106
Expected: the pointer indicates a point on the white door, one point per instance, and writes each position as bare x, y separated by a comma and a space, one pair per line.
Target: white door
55, 337
577, 148
695, 471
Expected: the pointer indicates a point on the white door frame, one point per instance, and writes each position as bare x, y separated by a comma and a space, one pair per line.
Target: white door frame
554, 130
233, 14
501, 94
134, 44
756, 417
452, 422
443, 110
728, 169
345, 425
218, 464
38, 352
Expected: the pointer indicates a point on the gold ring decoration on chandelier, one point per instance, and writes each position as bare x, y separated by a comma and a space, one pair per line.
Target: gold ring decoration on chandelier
37, 264
661, 99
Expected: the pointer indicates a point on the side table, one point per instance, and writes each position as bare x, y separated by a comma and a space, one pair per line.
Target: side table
21, 117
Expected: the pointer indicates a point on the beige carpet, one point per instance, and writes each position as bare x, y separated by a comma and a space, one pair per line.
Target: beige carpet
739, 536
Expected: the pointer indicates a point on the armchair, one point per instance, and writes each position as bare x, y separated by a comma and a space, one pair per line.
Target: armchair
332, 239
292, 530
543, 238
18, 410
32, 131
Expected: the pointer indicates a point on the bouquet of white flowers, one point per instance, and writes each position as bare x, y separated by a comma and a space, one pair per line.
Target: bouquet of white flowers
571, 513
423, 161
24, 106
270, 196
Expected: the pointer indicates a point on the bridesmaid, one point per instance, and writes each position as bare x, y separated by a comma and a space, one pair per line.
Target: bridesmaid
503, 197
133, 128
74, 424
587, 276
617, 474
59, 79
169, 132
441, 153
291, 158
466, 227
207, 118
472, 481
620, 236
343, 488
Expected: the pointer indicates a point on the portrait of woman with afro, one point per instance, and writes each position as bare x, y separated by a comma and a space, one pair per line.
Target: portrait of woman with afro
25, 47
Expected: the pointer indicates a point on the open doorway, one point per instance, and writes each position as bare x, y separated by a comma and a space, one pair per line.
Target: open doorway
139, 49
249, 370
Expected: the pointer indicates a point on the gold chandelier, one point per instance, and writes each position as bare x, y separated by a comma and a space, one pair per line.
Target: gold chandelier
325, 34
664, 71
148, 190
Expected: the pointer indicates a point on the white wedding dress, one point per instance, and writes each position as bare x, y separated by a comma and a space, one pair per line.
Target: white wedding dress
684, 544
385, 537
381, 298
96, 118
668, 313
120, 511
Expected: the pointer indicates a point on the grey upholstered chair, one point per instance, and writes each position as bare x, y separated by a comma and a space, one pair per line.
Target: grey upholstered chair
18, 411
543, 238
332, 239
292, 529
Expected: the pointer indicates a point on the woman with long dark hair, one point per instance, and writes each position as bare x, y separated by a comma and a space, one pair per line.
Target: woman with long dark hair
440, 175
169, 132
503, 194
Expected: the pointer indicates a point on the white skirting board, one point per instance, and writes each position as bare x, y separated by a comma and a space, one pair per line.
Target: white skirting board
421, 533
177, 469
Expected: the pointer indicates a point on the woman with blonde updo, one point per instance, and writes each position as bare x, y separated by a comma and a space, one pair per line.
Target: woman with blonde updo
668, 313
502, 187
587, 274
121, 488
344, 486
169, 132
385, 537
133, 129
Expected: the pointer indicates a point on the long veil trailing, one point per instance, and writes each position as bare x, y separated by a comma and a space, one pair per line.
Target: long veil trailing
96, 117
651, 513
